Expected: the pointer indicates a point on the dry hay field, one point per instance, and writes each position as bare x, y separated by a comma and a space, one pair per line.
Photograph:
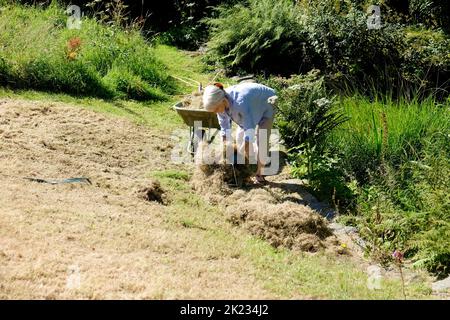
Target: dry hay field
127, 235
101, 240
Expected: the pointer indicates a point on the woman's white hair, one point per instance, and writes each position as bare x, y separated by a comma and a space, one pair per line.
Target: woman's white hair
212, 95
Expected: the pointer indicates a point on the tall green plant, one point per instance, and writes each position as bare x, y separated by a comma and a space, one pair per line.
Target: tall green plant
398, 152
397, 136
305, 115
258, 35
305, 118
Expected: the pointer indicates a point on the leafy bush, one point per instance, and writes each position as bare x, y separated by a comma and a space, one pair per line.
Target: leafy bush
279, 37
351, 53
185, 27
305, 118
261, 35
187, 30
426, 62
39, 52
305, 115
432, 13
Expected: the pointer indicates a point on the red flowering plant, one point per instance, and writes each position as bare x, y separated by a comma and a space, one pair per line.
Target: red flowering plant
398, 259
73, 48
398, 256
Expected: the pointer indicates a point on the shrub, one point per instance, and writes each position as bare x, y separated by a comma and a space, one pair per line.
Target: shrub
305, 118
263, 35
351, 53
426, 62
305, 115
432, 13
278, 37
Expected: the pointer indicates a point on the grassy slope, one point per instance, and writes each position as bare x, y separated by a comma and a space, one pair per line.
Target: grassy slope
39, 52
286, 274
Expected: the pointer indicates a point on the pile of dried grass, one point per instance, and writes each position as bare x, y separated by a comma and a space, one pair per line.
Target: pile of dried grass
252, 195
269, 213
153, 192
215, 179
284, 224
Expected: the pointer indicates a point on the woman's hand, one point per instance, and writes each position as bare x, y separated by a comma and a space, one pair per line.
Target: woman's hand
273, 100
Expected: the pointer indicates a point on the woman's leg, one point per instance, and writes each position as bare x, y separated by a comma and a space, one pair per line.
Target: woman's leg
263, 139
240, 140
239, 137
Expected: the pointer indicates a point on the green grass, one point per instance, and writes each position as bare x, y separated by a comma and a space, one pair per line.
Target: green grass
321, 276
398, 155
368, 138
155, 114
173, 180
39, 52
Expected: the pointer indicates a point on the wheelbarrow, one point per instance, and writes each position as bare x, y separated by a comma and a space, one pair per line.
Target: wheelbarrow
201, 123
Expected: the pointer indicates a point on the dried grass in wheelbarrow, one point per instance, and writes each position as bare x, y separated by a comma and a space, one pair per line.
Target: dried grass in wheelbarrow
193, 101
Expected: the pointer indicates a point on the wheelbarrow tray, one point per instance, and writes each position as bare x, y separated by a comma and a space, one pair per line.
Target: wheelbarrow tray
190, 116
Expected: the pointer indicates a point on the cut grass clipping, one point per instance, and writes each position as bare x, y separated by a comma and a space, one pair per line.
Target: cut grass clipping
153, 192
263, 212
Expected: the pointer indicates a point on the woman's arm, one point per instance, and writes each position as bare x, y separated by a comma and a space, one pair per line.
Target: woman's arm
225, 125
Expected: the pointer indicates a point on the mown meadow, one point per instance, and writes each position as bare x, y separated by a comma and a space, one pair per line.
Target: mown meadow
364, 112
